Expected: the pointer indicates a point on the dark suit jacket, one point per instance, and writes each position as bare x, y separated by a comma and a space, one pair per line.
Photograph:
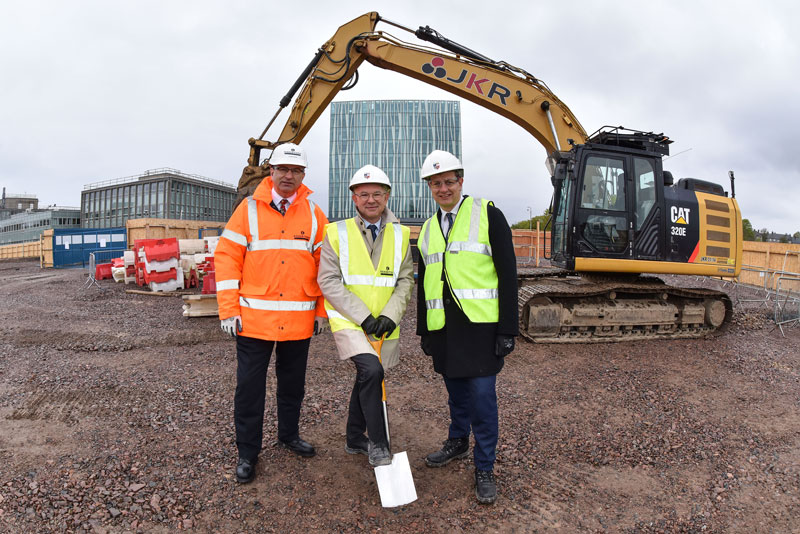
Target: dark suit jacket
463, 348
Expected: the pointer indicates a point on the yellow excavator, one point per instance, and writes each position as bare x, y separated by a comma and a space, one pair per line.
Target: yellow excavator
616, 214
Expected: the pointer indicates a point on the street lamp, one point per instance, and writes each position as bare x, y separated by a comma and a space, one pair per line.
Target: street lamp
530, 219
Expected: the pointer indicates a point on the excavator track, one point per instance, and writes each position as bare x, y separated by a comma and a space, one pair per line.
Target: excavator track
558, 306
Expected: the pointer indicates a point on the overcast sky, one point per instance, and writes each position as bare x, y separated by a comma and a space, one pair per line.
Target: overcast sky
96, 90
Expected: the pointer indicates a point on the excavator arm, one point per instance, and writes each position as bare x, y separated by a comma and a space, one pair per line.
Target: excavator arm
497, 86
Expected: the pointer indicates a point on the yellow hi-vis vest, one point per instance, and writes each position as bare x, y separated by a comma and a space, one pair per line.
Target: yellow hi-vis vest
466, 259
373, 286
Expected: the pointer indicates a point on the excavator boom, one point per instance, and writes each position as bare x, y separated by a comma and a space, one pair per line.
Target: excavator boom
502, 88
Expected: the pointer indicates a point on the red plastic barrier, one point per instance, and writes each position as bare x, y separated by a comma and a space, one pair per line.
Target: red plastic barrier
191, 280
154, 276
209, 283
118, 262
140, 276
162, 249
102, 271
138, 245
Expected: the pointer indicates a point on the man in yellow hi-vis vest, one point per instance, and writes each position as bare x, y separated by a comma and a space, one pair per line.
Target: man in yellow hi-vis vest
366, 275
467, 312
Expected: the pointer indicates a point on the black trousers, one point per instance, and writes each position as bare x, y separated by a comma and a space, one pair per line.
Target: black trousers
253, 357
366, 406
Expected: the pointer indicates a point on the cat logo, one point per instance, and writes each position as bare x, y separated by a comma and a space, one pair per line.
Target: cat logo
679, 215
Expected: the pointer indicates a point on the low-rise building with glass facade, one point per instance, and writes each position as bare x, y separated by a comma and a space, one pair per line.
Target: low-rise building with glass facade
158, 193
28, 226
395, 135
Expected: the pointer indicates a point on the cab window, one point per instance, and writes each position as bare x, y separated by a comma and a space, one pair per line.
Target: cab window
645, 190
603, 184
603, 192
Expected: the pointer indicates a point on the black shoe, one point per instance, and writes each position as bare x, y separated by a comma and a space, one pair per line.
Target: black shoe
485, 487
358, 446
245, 470
299, 447
452, 449
379, 454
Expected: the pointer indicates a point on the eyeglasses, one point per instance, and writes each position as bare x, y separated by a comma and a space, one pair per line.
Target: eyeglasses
376, 196
447, 183
287, 170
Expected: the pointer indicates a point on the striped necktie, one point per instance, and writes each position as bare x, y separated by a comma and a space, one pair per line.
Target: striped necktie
449, 217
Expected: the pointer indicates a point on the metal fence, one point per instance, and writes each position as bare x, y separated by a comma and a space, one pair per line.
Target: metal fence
779, 293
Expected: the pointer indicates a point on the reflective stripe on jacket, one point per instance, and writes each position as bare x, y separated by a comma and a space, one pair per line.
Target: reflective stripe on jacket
466, 260
266, 266
373, 286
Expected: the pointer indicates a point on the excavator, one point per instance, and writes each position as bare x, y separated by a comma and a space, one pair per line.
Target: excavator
617, 217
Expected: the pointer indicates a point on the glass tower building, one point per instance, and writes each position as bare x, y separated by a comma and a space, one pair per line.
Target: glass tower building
395, 135
159, 193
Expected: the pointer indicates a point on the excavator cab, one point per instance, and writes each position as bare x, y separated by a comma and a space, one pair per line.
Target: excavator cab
610, 199
614, 211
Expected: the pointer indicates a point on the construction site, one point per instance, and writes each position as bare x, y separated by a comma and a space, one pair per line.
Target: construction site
117, 417
653, 385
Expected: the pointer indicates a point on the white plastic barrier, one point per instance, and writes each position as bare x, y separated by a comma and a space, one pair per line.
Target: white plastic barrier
212, 243
191, 246
118, 274
200, 258
129, 259
161, 266
169, 285
187, 264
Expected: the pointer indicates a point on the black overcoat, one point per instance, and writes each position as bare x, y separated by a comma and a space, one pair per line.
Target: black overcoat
464, 349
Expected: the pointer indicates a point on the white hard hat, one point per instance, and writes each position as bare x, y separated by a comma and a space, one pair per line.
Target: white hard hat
439, 161
288, 154
369, 174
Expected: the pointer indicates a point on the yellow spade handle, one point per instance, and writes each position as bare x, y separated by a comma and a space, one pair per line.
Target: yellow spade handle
377, 344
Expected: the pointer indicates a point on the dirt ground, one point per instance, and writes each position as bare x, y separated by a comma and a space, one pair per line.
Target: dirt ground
116, 416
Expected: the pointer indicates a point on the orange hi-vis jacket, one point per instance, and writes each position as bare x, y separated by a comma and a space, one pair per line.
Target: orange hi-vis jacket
266, 266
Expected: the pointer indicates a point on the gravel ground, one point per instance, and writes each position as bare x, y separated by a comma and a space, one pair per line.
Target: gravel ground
116, 416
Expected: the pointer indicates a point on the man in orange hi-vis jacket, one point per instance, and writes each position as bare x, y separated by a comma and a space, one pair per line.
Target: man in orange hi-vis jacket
266, 269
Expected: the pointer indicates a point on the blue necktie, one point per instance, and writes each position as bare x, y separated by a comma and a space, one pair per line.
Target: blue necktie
449, 217
374, 229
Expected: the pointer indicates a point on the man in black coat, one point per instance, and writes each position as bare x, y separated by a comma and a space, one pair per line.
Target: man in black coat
467, 251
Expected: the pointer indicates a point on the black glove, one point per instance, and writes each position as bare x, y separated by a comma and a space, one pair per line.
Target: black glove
385, 326
503, 345
425, 342
370, 325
